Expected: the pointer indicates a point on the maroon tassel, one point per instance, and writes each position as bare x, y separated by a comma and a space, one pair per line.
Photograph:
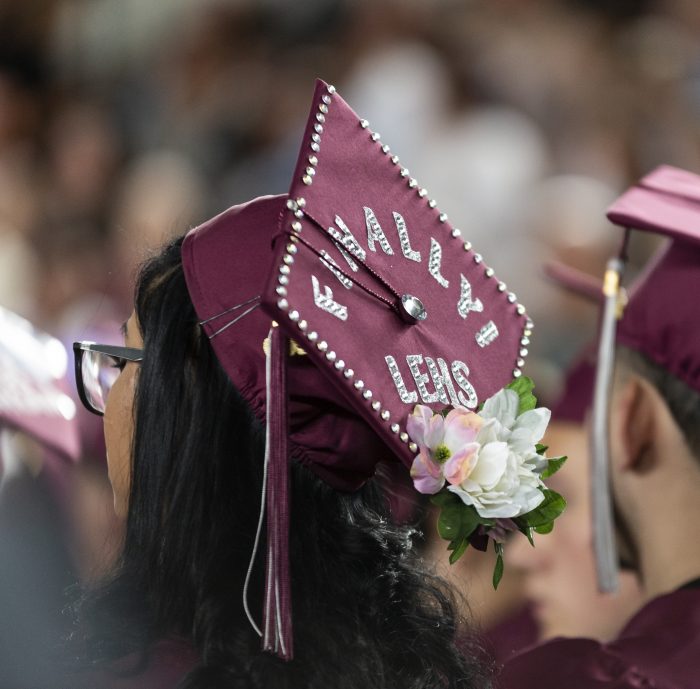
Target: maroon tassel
277, 630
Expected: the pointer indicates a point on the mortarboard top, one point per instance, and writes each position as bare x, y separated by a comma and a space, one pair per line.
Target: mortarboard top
33, 393
377, 303
660, 320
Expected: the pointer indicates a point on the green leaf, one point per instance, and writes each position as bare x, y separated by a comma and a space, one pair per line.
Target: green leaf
523, 386
547, 511
553, 465
457, 520
443, 498
458, 549
498, 571
540, 449
544, 528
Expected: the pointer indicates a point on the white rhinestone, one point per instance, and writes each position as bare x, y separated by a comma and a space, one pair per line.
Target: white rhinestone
340, 365
301, 202
322, 346
323, 108
523, 351
394, 428
478, 258
395, 160
517, 373
299, 214
294, 316
296, 226
525, 341
520, 363
288, 259
385, 148
404, 437
359, 384
291, 204
316, 138
432, 203
284, 270
529, 323
320, 117
502, 287
520, 309
412, 183
312, 336
348, 373
291, 248
375, 136
413, 447
404, 172
315, 147
367, 394
512, 298
442, 217
303, 325
283, 304
319, 128
306, 179
467, 246
422, 193
456, 233
283, 280
364, 124
376, 405
331, 88
489, 272
326, 98
311, 171
331, 356
282, 291
313, 160
385, 415
527, 332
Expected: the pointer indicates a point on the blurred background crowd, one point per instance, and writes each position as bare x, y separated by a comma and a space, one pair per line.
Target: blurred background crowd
126, 122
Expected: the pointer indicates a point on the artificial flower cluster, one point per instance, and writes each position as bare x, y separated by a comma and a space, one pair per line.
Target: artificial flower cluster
485, 469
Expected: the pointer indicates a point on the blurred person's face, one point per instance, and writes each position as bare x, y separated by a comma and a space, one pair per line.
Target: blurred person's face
119, 422
559, 572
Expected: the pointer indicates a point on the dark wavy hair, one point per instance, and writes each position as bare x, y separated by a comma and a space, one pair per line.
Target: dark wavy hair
366, 612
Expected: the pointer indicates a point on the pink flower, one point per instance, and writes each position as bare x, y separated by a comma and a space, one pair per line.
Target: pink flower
447, 447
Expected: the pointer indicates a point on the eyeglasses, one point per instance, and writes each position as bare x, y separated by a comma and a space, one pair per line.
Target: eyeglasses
96, 368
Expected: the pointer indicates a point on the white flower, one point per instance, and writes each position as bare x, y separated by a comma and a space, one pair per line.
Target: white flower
504, 481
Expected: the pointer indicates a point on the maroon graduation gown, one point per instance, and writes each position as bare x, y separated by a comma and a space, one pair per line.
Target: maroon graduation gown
658, 649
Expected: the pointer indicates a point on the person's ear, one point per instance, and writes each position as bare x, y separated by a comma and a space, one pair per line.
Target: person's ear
634, 423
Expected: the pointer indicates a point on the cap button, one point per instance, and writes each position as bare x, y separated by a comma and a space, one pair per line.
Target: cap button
412, 309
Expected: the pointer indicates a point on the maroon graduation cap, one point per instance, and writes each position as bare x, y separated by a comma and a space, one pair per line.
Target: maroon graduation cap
33, 389
660, 319
376, 301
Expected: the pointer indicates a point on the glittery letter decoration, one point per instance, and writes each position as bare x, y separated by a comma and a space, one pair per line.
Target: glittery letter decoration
406, 249
414, 361
376, 233
447, 380
348, 242
438, 380
406, 396
330, 263
466, 304
326, 302
487, 334
460, 371
434, 262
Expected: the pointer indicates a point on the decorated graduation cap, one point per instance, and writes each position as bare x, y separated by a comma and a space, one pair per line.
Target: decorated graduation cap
659, 321
33, 394
362, 326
